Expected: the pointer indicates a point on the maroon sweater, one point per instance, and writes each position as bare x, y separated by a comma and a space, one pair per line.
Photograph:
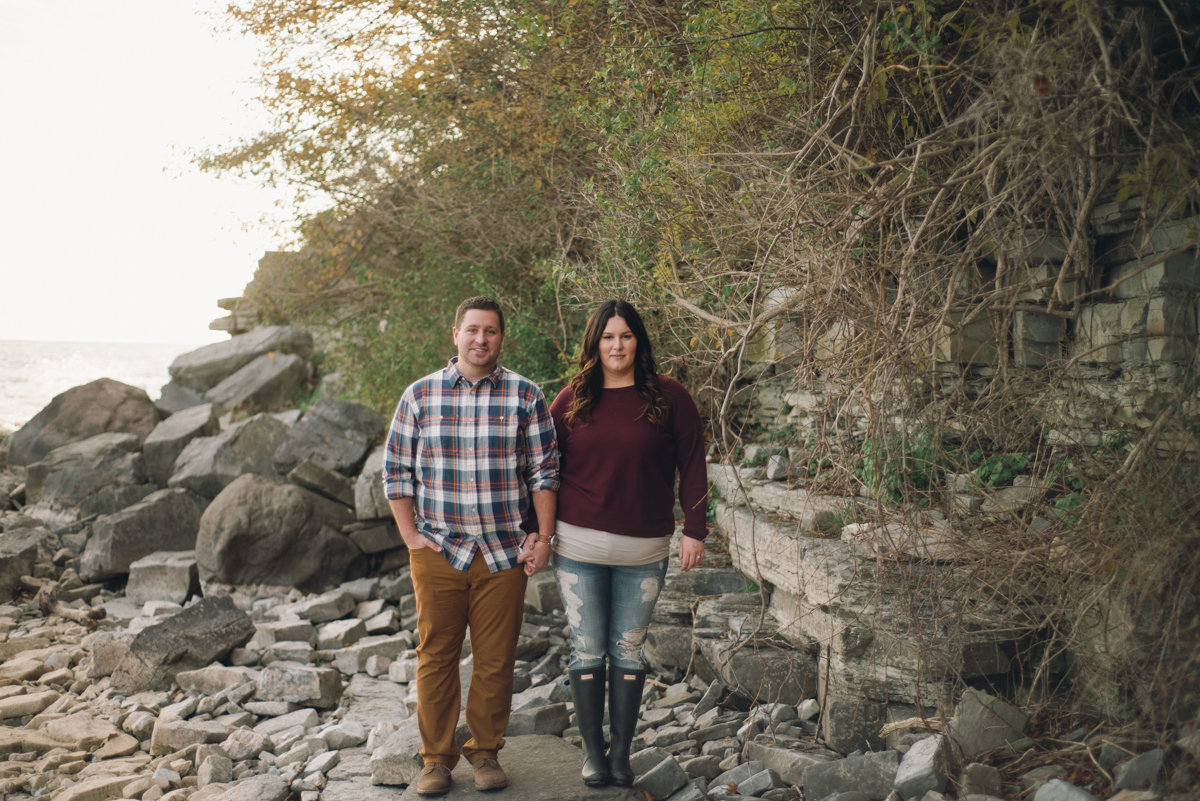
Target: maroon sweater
618, 471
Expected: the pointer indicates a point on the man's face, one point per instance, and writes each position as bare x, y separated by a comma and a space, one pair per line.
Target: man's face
478, 340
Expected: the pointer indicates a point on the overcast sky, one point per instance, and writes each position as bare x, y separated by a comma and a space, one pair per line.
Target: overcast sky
107, 233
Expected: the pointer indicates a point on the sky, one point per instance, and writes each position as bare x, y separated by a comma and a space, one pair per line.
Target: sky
107, 231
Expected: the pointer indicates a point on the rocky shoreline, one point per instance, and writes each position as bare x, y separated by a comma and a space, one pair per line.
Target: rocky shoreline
209, 600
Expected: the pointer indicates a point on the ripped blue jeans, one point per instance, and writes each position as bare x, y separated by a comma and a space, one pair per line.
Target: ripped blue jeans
608, 608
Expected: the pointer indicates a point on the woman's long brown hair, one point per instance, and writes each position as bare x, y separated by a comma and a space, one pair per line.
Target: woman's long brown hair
588, 383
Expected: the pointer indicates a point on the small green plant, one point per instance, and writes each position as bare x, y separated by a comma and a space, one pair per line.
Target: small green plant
892, 466
997, 470
1064, 471
714, 498
1066, 507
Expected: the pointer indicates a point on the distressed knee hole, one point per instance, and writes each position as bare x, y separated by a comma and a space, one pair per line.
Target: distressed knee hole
631, 644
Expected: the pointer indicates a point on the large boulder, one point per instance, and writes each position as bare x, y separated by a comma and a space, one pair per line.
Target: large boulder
18, 552
265, 383
334, 434
206, 367
171, 436
194, 638
208, 464
370, 503
81, 412
68, 475
167, 520
175, 397
258, 531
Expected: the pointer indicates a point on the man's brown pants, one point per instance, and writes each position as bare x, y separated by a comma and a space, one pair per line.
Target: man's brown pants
448, 601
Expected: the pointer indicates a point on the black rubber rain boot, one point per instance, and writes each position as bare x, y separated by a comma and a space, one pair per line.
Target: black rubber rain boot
587, 691
624, 704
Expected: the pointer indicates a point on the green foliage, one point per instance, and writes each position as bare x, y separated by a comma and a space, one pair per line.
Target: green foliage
1066, 473
893, 466
998, 469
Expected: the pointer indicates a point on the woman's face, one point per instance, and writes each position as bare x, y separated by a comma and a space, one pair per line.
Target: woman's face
618, 346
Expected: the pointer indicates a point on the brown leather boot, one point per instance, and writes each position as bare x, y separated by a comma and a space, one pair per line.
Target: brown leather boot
488, 774
434, 779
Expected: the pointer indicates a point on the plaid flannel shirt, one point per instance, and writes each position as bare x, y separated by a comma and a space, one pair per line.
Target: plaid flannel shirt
470, 455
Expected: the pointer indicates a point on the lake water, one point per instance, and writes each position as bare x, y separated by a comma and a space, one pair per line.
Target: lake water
32, 373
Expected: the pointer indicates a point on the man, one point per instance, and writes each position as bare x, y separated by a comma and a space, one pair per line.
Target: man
469, 447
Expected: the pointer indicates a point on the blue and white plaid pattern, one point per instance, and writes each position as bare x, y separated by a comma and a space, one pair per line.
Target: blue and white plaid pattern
470, 455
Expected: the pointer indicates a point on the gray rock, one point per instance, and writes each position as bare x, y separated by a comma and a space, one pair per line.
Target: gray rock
174, 398
333, 434
171, 436
669, 646
174, 734
113, 498
205, 368
760, 783
209, 464
69, 474
852, 724
164, 576
551, 719
762, 673
18, 552
260, 532
194, 638
398, 759
711, 698
692, 792
871, 774
340, 633
1058, 790
362, 590
271, 632
334, 486
1141, 770
332, 605
243, 744
265, 383
214, 769
647, 758
702, 767
303, 718
923, 768
736, 775
264, 787
980, 779
322, 762
982, 723
381, 538
215, 678
345, 735
300, 684
370, 503
166, 520
808, 709
788, 763
541, 593
542, 695
102, 406
661, 780
108, 649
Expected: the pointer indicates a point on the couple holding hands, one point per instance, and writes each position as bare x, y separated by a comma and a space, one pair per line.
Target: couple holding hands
488, 486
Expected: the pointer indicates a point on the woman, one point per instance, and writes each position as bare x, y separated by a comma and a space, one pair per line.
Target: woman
623, 431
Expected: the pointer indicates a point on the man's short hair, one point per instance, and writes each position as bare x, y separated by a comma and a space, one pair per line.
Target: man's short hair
481, 302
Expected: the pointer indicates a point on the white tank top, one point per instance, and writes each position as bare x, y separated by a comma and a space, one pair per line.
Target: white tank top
605, 548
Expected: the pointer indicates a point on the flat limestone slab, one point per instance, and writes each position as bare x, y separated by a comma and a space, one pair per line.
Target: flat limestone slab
539, 768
